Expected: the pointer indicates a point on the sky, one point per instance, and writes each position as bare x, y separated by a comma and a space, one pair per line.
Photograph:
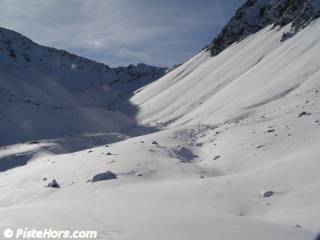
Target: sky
121, 32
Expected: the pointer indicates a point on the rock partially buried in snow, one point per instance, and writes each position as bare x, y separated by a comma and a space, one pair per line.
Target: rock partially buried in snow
304, 113
104, 176
266, 193
271, 131
184, 154
216, 157
53, 184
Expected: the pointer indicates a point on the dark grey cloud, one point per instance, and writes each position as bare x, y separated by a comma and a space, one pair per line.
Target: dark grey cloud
120, 32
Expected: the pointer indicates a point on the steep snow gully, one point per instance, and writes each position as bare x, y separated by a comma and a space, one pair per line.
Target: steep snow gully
223, 147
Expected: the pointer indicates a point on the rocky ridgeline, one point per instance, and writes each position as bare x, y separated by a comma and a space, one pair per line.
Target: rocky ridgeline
20, 54
48, 93
257, 14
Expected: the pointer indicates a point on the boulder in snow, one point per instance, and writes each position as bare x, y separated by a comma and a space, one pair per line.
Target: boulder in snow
108, 175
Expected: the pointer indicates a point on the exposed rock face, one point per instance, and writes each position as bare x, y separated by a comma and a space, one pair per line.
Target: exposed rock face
257, 14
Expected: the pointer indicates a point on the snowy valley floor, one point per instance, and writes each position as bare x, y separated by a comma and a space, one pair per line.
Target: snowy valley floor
184, 182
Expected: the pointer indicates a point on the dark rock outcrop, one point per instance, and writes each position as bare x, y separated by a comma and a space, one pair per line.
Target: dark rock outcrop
257, 14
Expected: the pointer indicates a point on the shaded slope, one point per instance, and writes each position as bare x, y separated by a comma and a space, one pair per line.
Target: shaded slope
45, 92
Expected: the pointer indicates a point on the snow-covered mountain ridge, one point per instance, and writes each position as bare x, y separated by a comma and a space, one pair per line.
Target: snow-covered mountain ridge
41, 87
257, 14
21, 54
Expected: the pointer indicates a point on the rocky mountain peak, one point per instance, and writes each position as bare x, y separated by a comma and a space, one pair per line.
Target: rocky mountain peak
254, 15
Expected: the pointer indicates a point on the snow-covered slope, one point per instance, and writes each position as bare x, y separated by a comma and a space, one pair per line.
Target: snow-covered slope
236, 154
252, 73
263, 93
46, 92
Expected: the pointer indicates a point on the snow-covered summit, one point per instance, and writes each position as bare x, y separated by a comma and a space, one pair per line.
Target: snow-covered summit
20, 54
257, 14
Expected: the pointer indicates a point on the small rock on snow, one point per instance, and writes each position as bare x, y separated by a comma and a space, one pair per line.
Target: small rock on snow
304, 113
53, 184
270, 131
266, 193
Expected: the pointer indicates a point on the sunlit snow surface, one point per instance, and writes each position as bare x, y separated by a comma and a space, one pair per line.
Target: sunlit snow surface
227, 129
